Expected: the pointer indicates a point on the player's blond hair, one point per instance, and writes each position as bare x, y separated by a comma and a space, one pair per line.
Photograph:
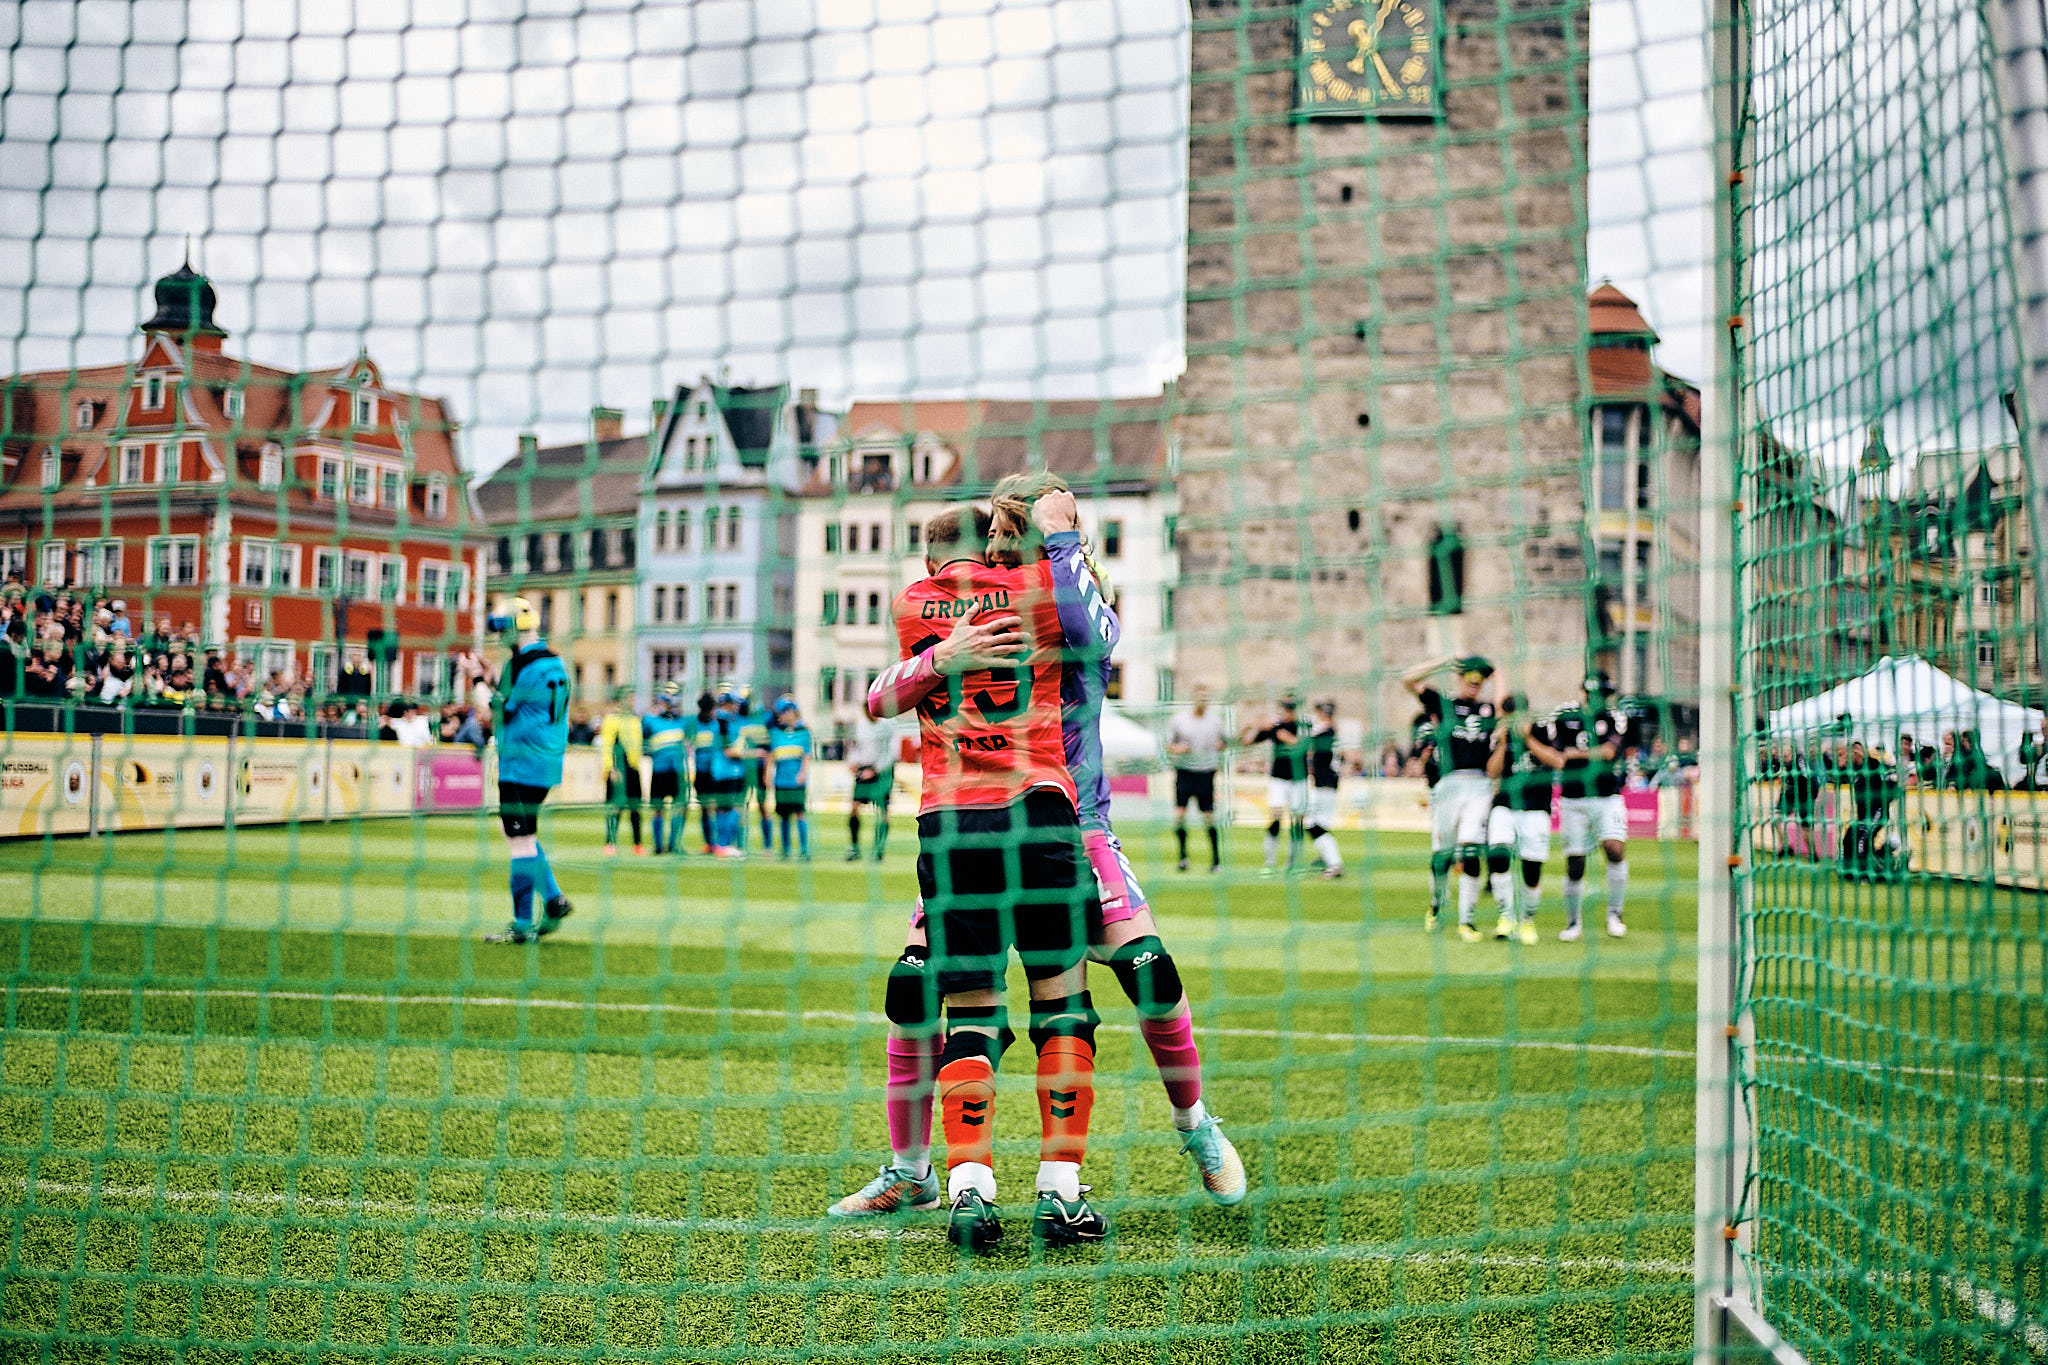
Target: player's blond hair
1010, 517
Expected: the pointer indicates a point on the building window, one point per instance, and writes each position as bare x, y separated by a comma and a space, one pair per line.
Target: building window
711, 601
320, 668
1446, 573
925, 469
875, 539
330, 480
1987, 653
600, 549
100, 562
437, 497
231, 405
455, 586
547, 612
852, 539
152, 392
173, 561
430, 585
1612, 461
679, 600
84, 415
355, 575
915, 537
54, 563
365, 409
1987, 594
732, 527
682, 528
661, 530
874, 609
1166, 611
668, 665
256, 563
131, 464
270, 468
711, 528
830, 613
611, 610
1112, 539
852, 609
828, 683
661, 602
720, 663
326, 577
390, 488
53, 468
390, 578
361, 490
832, 539
533, 552
167, 462
732, 601
13, 559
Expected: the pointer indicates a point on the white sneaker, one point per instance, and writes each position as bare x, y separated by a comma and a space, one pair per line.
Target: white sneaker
1570, 933
1615, 928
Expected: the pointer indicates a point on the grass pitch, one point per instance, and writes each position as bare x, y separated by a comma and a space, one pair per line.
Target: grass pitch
265, 1096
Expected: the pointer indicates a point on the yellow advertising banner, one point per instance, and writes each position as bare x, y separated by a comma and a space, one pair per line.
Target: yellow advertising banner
370, 779
46, 784
155, 781
279, 779
2002, 836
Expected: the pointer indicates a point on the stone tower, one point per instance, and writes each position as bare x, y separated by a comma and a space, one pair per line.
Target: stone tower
1381, 421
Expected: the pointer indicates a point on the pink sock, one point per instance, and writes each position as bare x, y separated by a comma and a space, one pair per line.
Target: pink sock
913, 1062
1173, 1050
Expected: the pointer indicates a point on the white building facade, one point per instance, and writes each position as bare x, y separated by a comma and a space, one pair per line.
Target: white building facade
717, 522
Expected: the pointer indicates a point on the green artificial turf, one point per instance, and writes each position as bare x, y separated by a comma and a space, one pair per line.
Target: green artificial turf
264, 1095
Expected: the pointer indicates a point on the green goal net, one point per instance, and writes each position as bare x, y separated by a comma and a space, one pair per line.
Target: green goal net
351, 352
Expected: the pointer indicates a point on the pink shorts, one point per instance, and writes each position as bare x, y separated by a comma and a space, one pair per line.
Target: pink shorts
1116, 885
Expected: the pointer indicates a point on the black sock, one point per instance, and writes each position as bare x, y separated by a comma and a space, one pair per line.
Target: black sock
853, 829
1215, 850
636, 827
1180, 832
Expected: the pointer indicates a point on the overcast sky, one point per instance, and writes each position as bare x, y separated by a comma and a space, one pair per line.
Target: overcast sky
534, 206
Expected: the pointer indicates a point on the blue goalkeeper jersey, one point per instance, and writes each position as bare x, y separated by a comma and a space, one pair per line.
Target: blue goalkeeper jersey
787, 750
725, 767
666, 739
533, 717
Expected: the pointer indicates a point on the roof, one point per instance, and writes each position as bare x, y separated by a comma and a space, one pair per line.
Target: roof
1089, 442
1613, 313
750, 416
548, 484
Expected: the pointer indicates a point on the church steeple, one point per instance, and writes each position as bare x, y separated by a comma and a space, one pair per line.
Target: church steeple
184, 310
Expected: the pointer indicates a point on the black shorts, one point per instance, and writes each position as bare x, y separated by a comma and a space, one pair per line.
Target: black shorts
790, 800
666, 786
1198, 787
519, 808
625, 793
720, 793
1001, 878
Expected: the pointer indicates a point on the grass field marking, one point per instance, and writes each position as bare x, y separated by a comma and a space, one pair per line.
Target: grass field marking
1998, 1310
399, 1210
822, 1016
1451, 1040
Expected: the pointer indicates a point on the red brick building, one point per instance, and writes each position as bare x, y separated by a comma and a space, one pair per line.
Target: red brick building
287, 515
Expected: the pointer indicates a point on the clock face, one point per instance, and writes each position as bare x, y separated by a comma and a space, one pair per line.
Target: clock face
1369, 56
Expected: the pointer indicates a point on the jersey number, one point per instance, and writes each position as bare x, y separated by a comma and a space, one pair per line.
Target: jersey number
983, 688
555, 689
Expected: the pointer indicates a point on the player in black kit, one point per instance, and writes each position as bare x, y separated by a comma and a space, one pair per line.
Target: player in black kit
1591, 736
1525, 764
1462, 737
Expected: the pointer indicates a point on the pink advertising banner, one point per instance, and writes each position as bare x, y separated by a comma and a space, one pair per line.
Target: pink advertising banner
450, 781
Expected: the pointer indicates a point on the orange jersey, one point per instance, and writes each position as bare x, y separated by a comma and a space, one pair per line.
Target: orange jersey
988, 737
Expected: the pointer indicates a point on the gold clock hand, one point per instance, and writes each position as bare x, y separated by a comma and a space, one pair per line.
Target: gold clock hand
1386, 76
1359, 35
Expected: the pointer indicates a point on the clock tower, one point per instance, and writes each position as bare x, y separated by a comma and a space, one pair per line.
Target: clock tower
1382, 417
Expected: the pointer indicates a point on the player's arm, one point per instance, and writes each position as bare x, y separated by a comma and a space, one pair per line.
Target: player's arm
1497, 759
1537, 738
1086, 619
992, 642
1415, 677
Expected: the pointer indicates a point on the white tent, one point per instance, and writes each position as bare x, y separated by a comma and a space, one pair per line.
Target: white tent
1910, 696
1126, 745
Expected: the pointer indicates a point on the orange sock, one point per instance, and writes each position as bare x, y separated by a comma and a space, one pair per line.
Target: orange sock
1066, 1097
967, 1101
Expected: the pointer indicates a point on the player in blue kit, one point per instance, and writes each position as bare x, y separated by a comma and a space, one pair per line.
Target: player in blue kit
532, 701
703, 737
789, 762
665, 732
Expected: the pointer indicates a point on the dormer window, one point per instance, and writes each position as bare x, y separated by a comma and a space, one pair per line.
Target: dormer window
53, 468
85, 414
231, 404
365, 409
437, 497
270, 471
152, 392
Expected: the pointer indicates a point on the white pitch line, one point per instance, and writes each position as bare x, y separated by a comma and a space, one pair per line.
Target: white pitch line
845, 1017
398, 1210
825, 1016
2000, 1311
